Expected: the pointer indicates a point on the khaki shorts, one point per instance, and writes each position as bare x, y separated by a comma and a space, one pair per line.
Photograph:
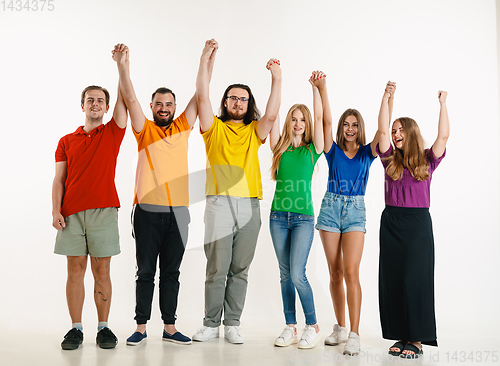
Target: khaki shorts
93, 232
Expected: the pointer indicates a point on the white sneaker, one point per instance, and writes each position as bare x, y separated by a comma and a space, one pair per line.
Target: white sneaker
205, 333
309, 338
338, 336
353, 344
287, 337
232, 334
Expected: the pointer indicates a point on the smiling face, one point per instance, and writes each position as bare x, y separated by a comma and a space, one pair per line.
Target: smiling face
398, 136
350, 128
94, 105
163, 108
298, 122
236, 110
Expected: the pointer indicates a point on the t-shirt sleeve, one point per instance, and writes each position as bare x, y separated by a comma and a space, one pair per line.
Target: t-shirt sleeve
254, 126
61, 151
118, 132
368, 151
383, 155
182, 123
212, 128
331, 151
315, 154
139, 135
433, 161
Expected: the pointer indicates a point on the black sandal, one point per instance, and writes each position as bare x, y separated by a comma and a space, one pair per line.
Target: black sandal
417, 352
399, 345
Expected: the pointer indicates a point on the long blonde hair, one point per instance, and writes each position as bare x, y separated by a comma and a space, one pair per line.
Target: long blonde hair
286, 137
413, 157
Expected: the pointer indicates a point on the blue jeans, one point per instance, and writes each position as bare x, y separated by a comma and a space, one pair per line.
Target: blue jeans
292, 235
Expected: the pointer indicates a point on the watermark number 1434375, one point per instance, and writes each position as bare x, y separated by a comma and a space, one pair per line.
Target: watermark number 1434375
27, 5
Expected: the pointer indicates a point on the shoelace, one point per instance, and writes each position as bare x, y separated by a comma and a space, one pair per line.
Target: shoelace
285, 333
307, 332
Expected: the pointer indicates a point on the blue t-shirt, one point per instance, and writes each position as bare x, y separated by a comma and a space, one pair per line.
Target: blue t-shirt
346, 176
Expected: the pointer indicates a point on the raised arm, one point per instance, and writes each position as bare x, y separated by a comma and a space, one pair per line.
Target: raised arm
384, 138
273, 104
327, 112
121, 56
58, 194
443, 127
318, 137
275, 135
120, 111
207, 60
391, 89
191, 110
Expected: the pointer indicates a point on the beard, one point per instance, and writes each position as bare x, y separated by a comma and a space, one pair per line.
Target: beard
163, 122
235, 116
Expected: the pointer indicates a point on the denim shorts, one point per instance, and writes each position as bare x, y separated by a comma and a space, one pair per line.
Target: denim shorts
342, 214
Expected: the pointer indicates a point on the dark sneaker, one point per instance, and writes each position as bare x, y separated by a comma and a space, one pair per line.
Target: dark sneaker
177, 337
137, 338
106, 338
72, 339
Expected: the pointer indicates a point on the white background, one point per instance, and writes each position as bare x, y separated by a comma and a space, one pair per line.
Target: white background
48, 58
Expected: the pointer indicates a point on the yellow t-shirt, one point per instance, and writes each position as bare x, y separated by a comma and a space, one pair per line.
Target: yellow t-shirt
162, 167
233, 161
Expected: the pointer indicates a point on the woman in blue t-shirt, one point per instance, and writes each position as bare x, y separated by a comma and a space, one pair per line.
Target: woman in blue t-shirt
291, 221
341, 221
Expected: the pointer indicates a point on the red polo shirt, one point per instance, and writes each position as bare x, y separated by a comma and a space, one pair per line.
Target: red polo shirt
91, 157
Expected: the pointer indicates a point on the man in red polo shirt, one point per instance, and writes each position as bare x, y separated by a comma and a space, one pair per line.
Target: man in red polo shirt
84, 209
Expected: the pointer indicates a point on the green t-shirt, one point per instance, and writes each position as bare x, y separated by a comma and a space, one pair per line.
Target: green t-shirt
293, 181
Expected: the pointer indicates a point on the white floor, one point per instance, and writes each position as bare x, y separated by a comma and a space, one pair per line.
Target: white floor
36, 348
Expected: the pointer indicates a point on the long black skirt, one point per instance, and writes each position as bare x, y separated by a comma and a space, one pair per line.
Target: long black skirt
406, 275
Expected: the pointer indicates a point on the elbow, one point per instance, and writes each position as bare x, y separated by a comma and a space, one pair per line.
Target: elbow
444, 137
273, 116
201, 97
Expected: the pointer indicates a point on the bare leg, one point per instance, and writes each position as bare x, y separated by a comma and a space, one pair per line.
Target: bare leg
141, 328
333, 253
102, 286
75, 290
170, 328
352, 249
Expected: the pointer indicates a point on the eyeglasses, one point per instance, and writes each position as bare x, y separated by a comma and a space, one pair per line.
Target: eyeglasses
235, 99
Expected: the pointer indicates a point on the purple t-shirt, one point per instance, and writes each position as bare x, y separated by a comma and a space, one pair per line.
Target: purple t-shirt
407, 191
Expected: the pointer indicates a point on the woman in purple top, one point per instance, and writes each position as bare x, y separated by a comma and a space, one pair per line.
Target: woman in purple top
406, 263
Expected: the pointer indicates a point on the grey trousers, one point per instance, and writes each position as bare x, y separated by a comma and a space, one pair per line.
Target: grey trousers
232, 226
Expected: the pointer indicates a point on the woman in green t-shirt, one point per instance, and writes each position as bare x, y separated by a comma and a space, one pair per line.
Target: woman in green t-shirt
291, 222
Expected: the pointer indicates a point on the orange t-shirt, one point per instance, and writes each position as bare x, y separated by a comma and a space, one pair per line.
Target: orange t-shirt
91, 158
162, 167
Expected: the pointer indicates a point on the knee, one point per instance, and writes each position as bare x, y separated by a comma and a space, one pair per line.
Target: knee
336, 275
76, 271
299, 278
284, 274
166, 275
101, 273
351, 275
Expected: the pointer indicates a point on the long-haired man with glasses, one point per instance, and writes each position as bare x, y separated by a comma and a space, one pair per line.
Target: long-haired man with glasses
233, 190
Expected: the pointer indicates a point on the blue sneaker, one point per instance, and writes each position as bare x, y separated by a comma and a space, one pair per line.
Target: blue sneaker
137, 338
177, 337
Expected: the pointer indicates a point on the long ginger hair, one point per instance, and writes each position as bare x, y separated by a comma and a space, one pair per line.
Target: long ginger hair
413, 156
286, 137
